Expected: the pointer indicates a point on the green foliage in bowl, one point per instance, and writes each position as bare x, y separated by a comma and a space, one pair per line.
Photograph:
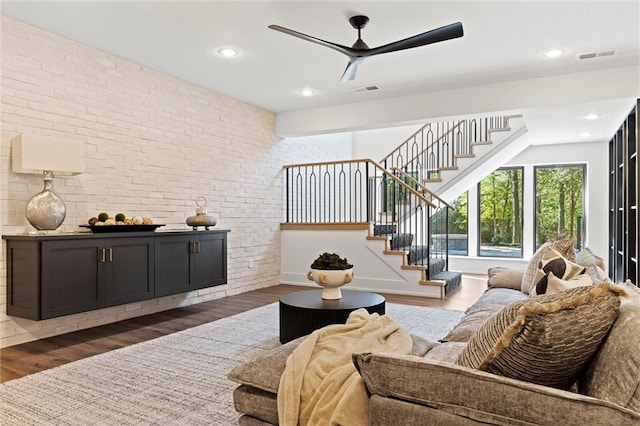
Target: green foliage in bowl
330, 261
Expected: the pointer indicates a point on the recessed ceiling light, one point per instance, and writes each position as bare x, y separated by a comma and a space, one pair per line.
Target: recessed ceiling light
585, 134
228, 52
592, 116
307, 92
553, 53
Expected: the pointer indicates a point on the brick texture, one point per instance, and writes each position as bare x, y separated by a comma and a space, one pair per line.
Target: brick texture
153, 143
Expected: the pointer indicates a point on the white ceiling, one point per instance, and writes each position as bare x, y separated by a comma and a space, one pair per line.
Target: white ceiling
503, 41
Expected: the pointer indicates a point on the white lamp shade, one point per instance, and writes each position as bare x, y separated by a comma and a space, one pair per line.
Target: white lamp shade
35, 154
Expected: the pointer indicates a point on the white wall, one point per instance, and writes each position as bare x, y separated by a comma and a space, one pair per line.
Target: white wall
378, 143
153, 143
372, 271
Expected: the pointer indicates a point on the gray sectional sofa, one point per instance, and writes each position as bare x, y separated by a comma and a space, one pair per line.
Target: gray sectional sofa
463, 380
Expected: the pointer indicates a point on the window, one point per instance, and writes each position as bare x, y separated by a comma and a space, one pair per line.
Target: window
559, 203
395, 193
458, 226
457, 230
500, 213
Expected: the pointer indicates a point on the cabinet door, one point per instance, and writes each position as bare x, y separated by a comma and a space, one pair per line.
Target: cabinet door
173, 264
71, 277
23, 275
210, 260
130, 269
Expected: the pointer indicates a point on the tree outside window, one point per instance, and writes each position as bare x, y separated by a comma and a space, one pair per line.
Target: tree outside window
559, 203
500, 204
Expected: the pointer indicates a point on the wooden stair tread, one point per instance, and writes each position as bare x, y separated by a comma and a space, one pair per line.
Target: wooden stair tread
414, 267
395, 252
435, 283
378, 237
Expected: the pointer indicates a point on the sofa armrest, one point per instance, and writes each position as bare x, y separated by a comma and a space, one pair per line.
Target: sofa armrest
482, 396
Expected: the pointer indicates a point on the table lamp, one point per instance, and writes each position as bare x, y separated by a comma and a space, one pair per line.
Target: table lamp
49, 156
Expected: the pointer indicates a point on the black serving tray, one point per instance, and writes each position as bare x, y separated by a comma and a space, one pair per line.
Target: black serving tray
99, 229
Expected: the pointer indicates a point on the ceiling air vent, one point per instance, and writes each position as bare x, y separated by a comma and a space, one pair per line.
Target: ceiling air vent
365, 88
599, 54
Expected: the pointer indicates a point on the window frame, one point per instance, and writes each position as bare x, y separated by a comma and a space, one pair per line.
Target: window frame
479, 215
583, 231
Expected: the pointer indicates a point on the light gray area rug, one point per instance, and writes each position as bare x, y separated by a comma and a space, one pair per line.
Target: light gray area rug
178, 379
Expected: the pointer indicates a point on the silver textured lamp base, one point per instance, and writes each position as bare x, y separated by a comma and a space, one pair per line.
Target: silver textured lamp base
46, 211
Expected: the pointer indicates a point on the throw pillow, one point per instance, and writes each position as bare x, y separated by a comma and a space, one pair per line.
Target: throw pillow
547, 339
564, 247
500, 277
552, 284
586, 257
614, 374
552, 261
597, 274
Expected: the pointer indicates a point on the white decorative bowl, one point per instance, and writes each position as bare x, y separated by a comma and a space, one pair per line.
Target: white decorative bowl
331, 281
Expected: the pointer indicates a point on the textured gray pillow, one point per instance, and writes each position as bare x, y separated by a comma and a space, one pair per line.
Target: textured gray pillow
586, 257
614, 374
597, 274
547, 339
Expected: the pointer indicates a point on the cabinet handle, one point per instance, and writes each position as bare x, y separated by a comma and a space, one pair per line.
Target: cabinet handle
110, 254
102, 256
192, 247
197, 246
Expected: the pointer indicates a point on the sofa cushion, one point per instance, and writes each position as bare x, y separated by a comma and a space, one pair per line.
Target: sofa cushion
552, 284
446, 352
500, 277
564, 247
264, 371
258, 404
614, 374
547, 339
489, 303
477, 395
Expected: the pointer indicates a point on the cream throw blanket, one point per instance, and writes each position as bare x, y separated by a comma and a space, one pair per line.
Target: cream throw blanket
320, 384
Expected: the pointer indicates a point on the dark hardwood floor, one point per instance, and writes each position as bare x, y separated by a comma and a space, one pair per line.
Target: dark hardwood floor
28, 358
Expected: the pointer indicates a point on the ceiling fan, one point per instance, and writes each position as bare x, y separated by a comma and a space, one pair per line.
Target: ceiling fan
359, 51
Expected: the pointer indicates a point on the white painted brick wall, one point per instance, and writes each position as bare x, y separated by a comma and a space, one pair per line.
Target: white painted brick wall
153, 143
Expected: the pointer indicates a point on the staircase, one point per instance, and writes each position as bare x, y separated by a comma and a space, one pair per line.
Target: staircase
396, 200
449, 157
418, 256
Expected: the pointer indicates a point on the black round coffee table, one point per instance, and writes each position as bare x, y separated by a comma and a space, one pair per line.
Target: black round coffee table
305, 311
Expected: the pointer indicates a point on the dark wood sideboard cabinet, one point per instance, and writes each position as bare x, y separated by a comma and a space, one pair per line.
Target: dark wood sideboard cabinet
54, 275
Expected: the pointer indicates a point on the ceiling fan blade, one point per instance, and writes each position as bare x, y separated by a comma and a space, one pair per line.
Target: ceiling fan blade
351, 70
447, 32
340, 48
